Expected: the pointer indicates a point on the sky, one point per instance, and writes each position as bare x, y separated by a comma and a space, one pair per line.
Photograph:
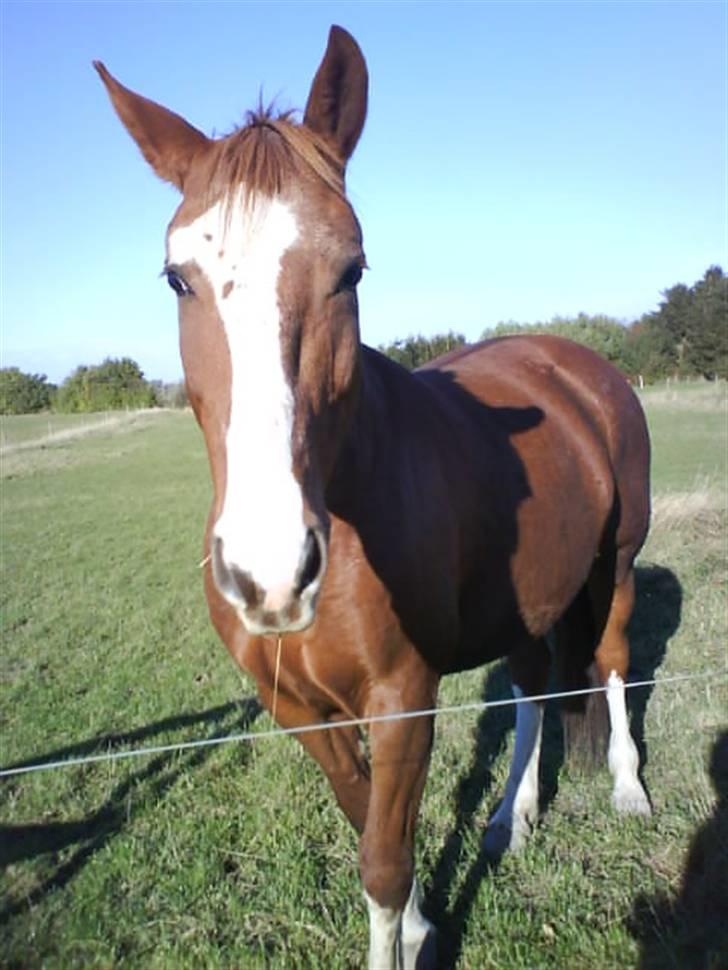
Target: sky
520, 160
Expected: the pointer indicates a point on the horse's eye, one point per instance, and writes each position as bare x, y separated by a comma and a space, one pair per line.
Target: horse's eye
350, 277
178, 284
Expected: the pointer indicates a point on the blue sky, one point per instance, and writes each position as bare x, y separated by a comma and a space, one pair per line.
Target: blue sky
520, 160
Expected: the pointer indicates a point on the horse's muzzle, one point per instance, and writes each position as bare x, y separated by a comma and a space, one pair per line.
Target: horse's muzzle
284, 608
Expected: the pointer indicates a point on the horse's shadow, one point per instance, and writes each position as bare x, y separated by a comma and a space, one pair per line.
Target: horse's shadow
451, 916
92, 833
690, 932
655, 619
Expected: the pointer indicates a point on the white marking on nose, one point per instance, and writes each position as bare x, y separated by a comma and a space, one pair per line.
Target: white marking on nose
261, 524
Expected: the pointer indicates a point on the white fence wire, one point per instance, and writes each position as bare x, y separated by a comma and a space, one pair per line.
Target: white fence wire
249, 736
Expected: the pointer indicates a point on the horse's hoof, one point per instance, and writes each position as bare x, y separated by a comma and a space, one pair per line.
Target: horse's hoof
508, 832
500, 838
631, 800
421, 955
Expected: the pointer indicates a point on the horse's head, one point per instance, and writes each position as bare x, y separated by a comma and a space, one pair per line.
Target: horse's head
264, 254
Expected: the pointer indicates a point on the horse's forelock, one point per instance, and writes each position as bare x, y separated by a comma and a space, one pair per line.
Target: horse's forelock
268, 154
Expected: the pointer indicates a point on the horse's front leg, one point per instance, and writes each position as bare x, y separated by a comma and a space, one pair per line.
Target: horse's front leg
337, 751
400, 938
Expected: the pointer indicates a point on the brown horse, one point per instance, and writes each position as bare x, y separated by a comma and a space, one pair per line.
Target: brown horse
391, 527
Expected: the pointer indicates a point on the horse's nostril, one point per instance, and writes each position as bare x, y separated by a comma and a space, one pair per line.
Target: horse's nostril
311, 562
247, 588
235, 584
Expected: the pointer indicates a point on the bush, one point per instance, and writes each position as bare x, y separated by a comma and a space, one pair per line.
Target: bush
414, 351
110, 386
24, 393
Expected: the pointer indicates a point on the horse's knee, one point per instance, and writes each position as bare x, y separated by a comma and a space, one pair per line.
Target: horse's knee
387, 880
386, 875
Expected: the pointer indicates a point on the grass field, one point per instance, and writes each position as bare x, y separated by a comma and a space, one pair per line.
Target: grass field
34, 430
236, 856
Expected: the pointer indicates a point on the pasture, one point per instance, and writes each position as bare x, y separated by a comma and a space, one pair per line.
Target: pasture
236, 856
37, 430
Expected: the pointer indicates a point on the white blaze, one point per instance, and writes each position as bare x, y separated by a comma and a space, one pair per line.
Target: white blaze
261, 524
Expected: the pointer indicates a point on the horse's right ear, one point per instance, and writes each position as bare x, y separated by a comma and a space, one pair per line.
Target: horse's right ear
167, 141
337, 104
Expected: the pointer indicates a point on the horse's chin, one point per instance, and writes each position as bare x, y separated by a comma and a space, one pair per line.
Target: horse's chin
295, 619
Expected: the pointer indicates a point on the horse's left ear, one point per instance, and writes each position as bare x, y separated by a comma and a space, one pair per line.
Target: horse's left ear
166, 140
337, 104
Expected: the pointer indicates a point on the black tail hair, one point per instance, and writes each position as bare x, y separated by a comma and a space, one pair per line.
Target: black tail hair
585, 718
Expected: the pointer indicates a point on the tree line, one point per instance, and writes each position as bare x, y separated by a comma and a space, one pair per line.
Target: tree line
687, 336
115, 384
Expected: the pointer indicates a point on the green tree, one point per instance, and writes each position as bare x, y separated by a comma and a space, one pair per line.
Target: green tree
688, 333
706, 329
111, 385
601, 333
22, 393
416, 350
649, 351
667, 327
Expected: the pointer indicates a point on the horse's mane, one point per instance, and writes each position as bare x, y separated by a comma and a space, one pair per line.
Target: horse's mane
266, 154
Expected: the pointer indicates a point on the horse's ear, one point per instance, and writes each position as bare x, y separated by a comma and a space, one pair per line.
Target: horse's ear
337, 104
167, 141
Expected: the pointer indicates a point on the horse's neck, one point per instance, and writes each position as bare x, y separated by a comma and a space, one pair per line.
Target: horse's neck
388, 426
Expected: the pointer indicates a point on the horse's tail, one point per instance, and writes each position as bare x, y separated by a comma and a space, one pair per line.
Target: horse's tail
585, 718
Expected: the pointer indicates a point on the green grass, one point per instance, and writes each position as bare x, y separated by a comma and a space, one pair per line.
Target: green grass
236, 856
689, 426
23, 429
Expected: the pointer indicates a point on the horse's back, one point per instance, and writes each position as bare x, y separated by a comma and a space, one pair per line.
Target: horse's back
575, 389
523, 370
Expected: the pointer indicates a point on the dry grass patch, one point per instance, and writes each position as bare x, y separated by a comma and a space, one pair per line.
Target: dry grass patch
55, 450
704, 501
106, 422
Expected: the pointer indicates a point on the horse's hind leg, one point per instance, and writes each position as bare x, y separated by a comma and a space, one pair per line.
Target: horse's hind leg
517, 814
612, 662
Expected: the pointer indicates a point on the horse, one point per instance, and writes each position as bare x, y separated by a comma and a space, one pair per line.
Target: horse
385, 527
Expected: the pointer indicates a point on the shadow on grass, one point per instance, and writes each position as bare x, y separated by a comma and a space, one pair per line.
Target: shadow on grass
655, 620
452, 913
656, 617
22, 842
490, 739
95, 745
690, 932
